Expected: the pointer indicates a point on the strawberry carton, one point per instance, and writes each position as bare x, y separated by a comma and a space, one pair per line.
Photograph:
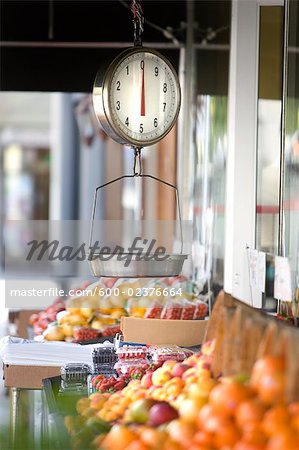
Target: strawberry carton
171, 311
188, 310
201, 310
154, 311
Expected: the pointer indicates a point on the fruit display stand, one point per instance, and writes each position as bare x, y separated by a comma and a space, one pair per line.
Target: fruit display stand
240, 393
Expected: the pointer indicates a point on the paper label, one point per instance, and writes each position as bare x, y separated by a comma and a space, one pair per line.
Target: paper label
262, 271
282, 281
253, 267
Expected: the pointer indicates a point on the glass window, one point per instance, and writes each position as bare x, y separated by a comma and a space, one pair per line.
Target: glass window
269, 127
291, 188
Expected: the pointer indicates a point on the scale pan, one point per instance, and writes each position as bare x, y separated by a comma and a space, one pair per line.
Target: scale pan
131, 265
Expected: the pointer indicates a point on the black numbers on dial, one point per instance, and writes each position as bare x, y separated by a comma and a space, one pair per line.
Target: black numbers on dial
164, 87
164, 106
155, 122
127, 69
118, 105
142, 64
118, 85
156, 71
127, 121
141, 128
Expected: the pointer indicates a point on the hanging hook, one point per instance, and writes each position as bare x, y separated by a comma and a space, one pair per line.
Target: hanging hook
137, 161
138, 21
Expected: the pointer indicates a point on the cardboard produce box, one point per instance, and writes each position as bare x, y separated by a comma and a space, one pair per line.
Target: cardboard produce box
27, 377
186, 333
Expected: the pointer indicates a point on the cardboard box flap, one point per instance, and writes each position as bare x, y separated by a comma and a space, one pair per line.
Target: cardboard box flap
186, 333
27, 377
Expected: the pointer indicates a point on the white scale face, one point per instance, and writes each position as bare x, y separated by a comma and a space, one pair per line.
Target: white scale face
141, 99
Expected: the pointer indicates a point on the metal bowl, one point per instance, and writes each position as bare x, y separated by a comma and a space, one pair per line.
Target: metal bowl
134, 265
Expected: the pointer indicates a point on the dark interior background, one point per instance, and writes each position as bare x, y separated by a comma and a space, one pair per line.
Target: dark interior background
26, 67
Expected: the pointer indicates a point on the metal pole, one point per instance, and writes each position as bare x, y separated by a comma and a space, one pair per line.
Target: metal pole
14, 415
281, 246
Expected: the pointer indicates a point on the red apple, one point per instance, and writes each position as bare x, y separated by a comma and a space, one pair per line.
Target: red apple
162, 412
146, 380
179, 369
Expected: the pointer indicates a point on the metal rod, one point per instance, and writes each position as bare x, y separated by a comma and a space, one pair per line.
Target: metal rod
166, 45
63, 44
51, 20
281, 247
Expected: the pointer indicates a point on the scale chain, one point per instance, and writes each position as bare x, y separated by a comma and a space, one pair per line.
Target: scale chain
137, 160
138, 21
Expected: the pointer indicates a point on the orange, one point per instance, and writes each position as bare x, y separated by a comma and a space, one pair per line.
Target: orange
215, 422
118, 438
254, 434
295, 423
294, 408
249, 411
171, 445
268, 379
203, 438
275, 419
181, 432
271, 389
227, 396
284, 440
223, 430
153, 437
226, 435
137, 445
198, 447
204, 414
242, 445
266, 365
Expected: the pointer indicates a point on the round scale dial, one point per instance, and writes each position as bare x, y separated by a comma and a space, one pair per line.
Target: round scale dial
138, 100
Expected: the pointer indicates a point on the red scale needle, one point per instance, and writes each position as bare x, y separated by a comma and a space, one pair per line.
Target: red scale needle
142, 108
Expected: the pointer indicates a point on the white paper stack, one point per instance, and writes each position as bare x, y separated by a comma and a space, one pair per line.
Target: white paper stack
17, 351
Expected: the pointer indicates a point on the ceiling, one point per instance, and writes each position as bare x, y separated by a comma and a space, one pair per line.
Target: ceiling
51, 45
